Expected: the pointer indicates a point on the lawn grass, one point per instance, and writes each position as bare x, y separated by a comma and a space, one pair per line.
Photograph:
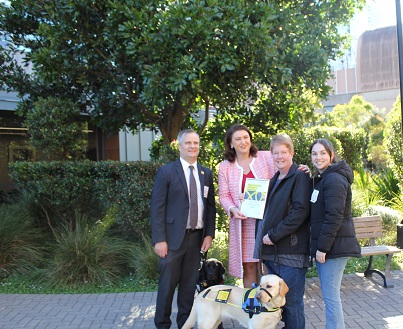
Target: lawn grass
25, 285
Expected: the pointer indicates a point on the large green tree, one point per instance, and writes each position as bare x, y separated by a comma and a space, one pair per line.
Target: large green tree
148, 63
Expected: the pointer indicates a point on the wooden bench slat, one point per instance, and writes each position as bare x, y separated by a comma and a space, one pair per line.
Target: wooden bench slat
369, 227
379, 250
367, 219
368, 235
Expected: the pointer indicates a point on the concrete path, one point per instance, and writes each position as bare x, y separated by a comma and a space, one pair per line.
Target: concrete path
366, 305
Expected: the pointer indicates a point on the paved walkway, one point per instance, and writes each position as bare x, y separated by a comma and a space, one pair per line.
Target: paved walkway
366, 305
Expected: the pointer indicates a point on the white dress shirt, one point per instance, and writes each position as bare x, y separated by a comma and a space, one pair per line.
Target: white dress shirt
200, 204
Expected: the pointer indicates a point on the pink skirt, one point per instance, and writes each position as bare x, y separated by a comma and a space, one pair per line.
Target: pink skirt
248, 240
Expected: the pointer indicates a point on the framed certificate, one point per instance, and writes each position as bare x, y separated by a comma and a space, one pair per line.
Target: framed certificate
255, 195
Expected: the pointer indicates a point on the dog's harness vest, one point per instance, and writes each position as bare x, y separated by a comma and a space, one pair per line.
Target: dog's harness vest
251, 305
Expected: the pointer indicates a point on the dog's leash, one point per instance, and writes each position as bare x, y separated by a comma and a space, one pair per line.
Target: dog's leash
202, 261
275, 261
203, 258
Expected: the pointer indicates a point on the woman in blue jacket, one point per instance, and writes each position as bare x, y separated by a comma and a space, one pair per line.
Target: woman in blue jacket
333, 238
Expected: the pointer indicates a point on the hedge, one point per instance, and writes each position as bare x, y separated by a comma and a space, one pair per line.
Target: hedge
62, 188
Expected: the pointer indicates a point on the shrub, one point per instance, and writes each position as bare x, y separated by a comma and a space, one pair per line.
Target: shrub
29, 202
387, 186
86, 254
364, 192
144, 260
21, 248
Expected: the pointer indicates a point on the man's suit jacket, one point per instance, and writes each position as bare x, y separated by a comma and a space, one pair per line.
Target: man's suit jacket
170, 204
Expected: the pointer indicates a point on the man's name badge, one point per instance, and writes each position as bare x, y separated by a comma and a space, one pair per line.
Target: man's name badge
205, 192
314, 196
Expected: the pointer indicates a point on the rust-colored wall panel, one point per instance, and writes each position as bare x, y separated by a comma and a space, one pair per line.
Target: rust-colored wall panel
111, 147
377, 60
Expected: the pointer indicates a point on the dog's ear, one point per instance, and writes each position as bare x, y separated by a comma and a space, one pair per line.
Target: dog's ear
283, 288
221, 269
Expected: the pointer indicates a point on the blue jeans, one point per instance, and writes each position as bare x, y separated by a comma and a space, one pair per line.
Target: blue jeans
293, 312
330, 274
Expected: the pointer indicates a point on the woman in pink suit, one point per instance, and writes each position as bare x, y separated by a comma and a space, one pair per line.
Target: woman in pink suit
242, 160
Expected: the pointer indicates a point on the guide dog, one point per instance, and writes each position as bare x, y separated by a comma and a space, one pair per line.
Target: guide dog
211, 273
208, 310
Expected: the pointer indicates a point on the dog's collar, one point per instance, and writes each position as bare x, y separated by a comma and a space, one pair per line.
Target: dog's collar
202, 285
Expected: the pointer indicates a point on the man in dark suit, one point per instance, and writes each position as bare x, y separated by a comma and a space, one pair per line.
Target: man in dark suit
183, 223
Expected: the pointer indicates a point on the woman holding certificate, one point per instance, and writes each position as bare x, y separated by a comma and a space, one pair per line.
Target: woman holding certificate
242, 161
283, 243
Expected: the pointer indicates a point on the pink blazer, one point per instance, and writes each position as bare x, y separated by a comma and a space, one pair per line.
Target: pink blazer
230, 187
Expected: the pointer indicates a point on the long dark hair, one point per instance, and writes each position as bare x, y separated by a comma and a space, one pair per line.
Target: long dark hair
328, 148
229, 152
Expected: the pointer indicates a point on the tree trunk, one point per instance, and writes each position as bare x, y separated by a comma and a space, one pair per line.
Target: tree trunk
172, 124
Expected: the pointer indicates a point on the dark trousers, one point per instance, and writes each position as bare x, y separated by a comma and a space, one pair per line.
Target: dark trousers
179, 267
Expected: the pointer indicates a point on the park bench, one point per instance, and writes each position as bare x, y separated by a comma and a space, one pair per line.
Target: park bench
370, 227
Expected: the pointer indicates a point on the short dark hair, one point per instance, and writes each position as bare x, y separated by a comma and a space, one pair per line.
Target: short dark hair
229, 152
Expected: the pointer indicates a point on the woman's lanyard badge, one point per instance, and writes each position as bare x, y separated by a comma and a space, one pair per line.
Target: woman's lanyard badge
314, 196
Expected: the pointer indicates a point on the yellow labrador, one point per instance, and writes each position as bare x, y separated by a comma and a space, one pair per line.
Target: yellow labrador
209, 313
